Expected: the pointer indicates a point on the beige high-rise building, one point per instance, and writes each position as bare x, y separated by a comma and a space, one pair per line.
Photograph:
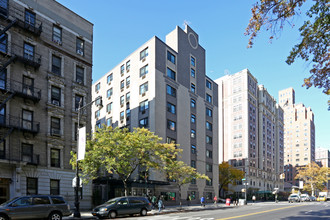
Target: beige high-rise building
251, 131
299, 134
163, 86
45, 68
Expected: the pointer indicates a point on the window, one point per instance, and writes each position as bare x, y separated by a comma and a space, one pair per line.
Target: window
209, 154
209, 167
209, 182
27, 119
170, 90
128, 114
144, 53
28, 51
122, 100
77, 101
193, 118
54, 187
3, 42
192, 73
28, 85
193, 133
109, 78
109, 122
208, 84
128, 66
56, 96
97, 114
193, 149
144, 106
144, 71
193, 88
208, 140
3, 115
208, 98
193, 103
55, 157
208, 126
192, 61
193, 181
128, 96
170, 57
171, 108
109, 92
109, 107
80, 46
56, 65
55, 126
208, 112
128, 81
170, 140
122, 115
3, 149
144, 88
31, 186
57, 34
97, 87
143, 123
193, 163
122, 69
171, 74
27, 152
122, 84
80, 75
30, 18
171, 125
4, 8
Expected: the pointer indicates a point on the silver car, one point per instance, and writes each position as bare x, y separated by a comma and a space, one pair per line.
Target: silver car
35, 207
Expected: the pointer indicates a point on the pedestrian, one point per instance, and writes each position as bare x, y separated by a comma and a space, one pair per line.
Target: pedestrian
153, 201
188, 199
203, 201
160, 204
253, 198
215, 199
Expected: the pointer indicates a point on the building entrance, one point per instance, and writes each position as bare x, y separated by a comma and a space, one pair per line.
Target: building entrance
4, 190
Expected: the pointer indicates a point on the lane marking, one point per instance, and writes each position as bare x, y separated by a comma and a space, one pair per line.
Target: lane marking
256, 213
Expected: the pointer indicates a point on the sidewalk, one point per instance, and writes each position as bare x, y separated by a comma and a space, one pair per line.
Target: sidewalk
168, 209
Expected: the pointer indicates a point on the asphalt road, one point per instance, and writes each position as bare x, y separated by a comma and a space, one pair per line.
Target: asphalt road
258, 211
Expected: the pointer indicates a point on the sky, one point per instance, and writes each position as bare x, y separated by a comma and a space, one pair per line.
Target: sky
121, 26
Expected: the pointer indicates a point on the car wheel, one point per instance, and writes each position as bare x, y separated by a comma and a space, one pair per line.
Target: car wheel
143, 212
112, 214
55, 216
3, 217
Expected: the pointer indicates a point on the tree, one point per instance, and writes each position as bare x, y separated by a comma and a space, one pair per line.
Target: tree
228, 175
182, 174
122, 152
315, 34
314, 177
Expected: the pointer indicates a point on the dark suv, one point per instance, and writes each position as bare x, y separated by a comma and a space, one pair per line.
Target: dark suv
123, 206
35, 207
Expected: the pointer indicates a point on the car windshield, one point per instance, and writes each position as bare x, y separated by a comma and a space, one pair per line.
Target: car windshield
293, 196
9, 201
111, 201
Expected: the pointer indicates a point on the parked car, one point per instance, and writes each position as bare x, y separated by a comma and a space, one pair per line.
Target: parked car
322, 198
35, 207
312, 198
294, 198
304, 198
123, 206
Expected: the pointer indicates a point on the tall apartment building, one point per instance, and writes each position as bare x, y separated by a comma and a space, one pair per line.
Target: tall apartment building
162, 86
299, 134
250, 131
46, 68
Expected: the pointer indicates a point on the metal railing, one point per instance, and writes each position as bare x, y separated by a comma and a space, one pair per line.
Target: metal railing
11, 121
21, 89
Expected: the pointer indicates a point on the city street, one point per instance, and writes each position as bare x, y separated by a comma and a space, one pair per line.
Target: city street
267, 210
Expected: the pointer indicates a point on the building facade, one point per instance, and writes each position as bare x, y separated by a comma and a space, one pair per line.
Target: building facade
322, 158
46, 68
162, 86
299, 134
250, 131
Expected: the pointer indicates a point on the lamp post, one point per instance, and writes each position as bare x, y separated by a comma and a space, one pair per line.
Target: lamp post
77, 203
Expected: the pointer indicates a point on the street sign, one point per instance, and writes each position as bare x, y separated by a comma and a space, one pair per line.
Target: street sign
243, 179
74, 182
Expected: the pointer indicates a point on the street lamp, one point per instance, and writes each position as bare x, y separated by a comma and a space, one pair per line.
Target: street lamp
98, 101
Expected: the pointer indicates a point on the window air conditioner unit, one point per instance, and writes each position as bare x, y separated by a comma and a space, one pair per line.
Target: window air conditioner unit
143, 94
127, 70
122, 89
80, 52
56, 132
55, 102
109, 112
121, 105
127, 86
144, 76
109, 97
144, 59
79, 81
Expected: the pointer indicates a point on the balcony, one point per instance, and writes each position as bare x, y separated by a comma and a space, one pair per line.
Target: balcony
22, 90
20, 124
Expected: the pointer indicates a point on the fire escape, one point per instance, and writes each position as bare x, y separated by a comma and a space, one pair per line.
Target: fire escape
25, 54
